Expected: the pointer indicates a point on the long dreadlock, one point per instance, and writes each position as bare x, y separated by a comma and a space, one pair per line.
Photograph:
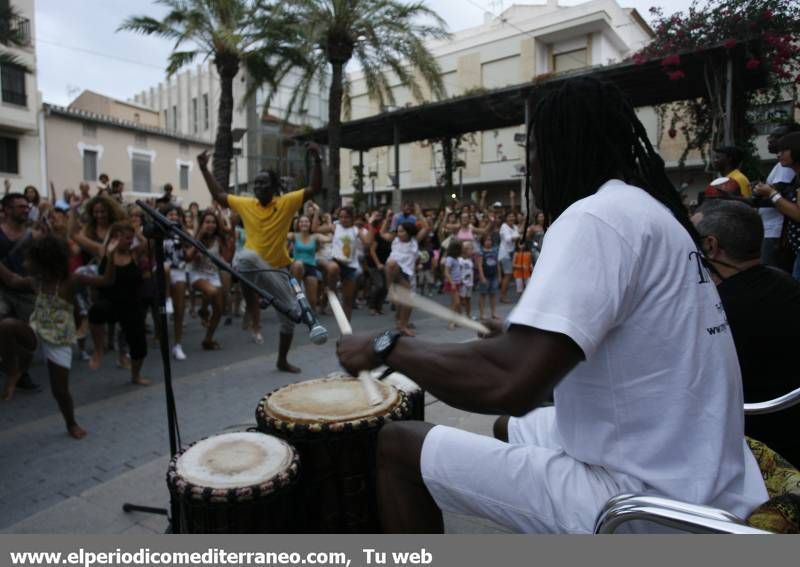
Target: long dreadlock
592, 121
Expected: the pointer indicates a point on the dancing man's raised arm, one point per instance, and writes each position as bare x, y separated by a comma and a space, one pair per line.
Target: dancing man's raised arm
217, 193
314, 153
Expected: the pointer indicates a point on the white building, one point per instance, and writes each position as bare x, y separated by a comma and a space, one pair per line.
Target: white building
523, 42
20, 105
188, 102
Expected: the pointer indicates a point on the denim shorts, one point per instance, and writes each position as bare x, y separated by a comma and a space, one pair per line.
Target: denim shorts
490, 287
310, 271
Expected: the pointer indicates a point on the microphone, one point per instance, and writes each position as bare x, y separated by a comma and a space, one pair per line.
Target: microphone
316, 332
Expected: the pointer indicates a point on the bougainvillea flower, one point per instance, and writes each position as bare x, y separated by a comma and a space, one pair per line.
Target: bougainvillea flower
671, 60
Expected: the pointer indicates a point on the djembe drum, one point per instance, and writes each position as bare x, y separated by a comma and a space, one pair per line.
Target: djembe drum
415, 394
335, 430
236, 483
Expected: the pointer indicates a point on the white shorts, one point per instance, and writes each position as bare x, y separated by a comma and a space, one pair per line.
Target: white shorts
528, 484
177, 276
60, 355
213, 279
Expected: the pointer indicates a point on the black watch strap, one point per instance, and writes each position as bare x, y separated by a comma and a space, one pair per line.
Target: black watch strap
384, 344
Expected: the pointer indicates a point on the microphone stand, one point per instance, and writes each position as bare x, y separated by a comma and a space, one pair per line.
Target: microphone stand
157, 230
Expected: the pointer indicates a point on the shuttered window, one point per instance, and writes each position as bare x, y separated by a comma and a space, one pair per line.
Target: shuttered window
141, 173
89, 165
9, 155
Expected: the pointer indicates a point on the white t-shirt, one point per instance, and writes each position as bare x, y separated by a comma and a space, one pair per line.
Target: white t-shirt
770, 216
659, 396
467, 269
405, 254
345, 245
507, 241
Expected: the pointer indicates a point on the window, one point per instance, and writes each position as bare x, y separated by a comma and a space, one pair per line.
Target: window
12, 80
175, 118
195, 117
141, 173
184, 177
766, 117
89, 130
89, 165
205, 112
9, 155
570, 60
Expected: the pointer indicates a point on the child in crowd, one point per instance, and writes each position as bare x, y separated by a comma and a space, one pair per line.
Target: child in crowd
425, 265
488, 276
523, 266
452, 275
467, 276
402, 263
52, 326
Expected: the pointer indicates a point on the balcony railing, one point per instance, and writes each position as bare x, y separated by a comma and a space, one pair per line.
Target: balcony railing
20, 29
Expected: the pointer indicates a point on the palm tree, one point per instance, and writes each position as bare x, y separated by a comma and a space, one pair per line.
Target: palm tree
10, 36
234, 34
384, 36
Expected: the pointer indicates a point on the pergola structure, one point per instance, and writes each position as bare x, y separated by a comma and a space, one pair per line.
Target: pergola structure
645, 83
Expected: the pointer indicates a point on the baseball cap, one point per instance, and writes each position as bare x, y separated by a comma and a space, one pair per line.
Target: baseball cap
497, 204
790, 142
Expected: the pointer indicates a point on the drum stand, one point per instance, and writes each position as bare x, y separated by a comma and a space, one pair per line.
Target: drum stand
157, 230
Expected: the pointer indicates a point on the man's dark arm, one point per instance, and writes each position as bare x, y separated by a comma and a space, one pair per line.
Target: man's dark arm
217, 193
315, 184
510, 374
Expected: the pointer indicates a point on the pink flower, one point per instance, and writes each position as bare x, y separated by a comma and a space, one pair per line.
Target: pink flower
676, 75
671, 60
752, 64
730, 43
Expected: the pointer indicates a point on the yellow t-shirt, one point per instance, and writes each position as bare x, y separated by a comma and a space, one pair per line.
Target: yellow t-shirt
742, 181
266, 227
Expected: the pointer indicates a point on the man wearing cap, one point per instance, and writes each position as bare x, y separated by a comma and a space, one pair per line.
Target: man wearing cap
786, 202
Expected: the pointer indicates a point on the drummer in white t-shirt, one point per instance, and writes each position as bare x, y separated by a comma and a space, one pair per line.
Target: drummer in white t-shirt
621, 317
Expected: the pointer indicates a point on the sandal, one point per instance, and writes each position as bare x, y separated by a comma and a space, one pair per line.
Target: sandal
211, 345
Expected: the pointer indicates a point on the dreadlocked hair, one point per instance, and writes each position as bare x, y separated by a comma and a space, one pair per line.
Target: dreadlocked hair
592, 119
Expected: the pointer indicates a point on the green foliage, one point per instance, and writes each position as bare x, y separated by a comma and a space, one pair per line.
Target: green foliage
772, 26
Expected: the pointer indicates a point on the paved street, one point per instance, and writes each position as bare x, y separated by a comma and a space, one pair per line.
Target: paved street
44, 470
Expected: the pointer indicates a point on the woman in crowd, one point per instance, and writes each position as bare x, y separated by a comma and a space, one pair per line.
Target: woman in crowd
345, 253
204, 276
509, 235
304, 268
120, 303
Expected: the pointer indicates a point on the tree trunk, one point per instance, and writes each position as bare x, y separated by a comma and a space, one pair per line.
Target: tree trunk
227, 67
335, 131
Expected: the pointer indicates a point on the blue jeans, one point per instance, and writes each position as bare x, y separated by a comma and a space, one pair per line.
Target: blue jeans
796, 270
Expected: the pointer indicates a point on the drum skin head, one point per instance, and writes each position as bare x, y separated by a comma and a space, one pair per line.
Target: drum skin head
328, 400
234, 460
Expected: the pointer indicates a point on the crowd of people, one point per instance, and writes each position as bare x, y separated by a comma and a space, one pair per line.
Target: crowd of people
71, 264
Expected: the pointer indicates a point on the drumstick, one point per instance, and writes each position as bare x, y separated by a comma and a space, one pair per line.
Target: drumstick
373, 395
403, 296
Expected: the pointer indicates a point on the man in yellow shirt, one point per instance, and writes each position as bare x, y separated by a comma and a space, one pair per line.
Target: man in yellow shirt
727, 160
267, 218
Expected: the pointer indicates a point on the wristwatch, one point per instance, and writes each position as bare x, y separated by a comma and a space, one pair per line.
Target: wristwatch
384, 343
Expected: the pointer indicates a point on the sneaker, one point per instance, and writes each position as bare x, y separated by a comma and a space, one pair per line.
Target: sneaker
258, 338
170, 309
84, 356
177, 353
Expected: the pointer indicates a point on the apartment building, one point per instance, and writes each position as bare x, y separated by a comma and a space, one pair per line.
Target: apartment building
523, 42
187, 104
97, 134
20, 102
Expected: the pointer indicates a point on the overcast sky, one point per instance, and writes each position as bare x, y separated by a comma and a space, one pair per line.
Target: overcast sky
77, 46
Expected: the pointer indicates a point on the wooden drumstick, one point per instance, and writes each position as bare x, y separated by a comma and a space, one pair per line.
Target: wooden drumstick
373, 395
403, 296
